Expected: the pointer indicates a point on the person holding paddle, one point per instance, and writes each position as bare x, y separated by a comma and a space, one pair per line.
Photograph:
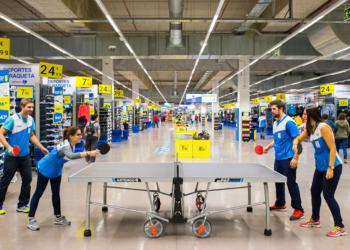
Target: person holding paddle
20, 129
50, 169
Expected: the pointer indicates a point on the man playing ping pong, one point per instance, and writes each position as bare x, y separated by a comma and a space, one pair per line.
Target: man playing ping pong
284, 132
20, 129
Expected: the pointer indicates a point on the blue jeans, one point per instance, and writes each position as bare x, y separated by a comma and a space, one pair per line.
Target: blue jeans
342, 144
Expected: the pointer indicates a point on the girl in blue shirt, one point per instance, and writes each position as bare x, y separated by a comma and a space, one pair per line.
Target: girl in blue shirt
327, 173
50, 169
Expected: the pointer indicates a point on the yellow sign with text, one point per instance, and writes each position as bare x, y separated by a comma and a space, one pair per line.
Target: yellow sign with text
5, 48
51, 70
130, 108
67, 99
256, 101
327, 89
229, 105
137, 101
118, 93
107, 104
105, 89
281, 97
268, 99
58, 108
25, 92
83, 82
5, 103
343, 102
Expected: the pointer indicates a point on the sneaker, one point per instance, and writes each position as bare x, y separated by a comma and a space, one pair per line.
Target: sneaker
61, 220
23, 209
278, 208
337, 231
297, 214
2, 211
14, 179
345, 161
311, 223
33, 225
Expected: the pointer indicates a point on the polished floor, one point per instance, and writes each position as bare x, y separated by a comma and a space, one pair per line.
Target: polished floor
121, 230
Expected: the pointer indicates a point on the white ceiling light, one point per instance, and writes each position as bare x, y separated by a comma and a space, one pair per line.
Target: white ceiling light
204, 44
128, 46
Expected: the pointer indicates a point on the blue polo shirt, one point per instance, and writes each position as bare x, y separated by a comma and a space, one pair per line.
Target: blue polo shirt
284, 132
19, 132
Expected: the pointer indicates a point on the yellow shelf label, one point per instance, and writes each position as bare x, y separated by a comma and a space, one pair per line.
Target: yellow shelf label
268, 99
281, 97
256, 101
51, 70
25, 92
327, 89
67, 99
5, 48
83, 82
105, 89
118, 93
344, 103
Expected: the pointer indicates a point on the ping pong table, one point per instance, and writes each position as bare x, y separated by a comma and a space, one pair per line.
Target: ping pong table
177, 173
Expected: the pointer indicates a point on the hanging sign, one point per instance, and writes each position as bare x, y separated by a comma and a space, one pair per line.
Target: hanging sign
229, 105
105, 89
130, 108
25, 92
67, 99
256, 101
4, 108
83, 82
4, 83
281, 97
58, 91
5, 48
327, 89
51, 70
268, 99
118, 93
58, 113
67, 83
137, 101
107, 104
343, 102
22, 74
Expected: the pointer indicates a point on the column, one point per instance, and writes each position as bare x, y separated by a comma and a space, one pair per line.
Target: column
215, 106
108, 69
243, 94
136, 88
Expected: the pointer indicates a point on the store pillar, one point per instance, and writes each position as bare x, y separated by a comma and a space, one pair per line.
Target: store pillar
136, 89
108, 69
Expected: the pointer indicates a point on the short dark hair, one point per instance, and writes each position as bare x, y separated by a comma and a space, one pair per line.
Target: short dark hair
94, 117
325, 117
279, 104
26, 101
342, 116
314, 114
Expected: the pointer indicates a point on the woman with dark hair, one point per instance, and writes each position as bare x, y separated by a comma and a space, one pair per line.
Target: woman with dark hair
50, 169
342, 135
327, 173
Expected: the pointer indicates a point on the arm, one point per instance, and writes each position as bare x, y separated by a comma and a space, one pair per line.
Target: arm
3, 140
99, 133
67, 151
268, 147
37, 143
328, 137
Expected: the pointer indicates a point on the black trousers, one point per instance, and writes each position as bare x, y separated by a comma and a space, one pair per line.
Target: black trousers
40, 188
11, 165
91, 144
328, 187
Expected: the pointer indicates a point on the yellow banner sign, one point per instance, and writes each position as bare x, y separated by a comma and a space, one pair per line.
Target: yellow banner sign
5, 48
5, 103
281, 97
107, 104
58, 108
67, 99
25, 92
130, 108
256, 101
105, 89
137, 101
83, 82
51, 70
343, 102
327, 89
229, 105
118, 93
268, 99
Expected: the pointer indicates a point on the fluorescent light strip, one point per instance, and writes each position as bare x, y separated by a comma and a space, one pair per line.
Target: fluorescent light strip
53, 45
20, 60
128, 46
279, 44
205, 43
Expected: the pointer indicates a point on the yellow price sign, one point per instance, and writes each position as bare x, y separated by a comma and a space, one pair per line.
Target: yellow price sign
67, 99
105, 89
107, 104
281, 97
51, 70
256, 101
118, 93
92, 110
343, 102
229, 105
138, 101
268, 98
58, 108
5, 103
130, 108
25, 92
327, 89
83, 82
5, 48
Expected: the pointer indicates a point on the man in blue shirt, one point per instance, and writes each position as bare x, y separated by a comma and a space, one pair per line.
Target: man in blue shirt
20, 129
284, 132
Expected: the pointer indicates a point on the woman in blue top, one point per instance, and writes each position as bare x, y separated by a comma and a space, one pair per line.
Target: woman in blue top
50, 169
327, 173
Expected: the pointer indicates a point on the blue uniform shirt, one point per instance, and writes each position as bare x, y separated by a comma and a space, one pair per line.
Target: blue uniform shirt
19, 132
284, 132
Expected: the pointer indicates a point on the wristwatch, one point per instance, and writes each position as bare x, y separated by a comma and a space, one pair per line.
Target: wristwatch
331, 167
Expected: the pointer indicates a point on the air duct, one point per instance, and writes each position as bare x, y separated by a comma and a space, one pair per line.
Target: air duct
175, 12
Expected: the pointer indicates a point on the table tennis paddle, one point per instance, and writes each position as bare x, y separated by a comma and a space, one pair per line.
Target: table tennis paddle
103, 148
259, 149
16, 150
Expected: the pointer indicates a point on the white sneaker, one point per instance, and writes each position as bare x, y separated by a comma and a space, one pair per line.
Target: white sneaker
33, 225
14, 179
62, 221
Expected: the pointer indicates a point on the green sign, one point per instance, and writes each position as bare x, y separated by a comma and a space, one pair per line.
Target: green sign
347, 13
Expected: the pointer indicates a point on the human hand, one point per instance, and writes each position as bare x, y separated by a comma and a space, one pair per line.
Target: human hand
10, 150
329, 174
294, 163
266, 149
45, 151
94, 153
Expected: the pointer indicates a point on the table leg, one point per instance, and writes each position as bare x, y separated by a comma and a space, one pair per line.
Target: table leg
267, 231
87, 231
249, 208
104, 208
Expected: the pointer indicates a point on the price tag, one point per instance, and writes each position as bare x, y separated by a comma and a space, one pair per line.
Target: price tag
51, 70
105, 89
130, 108
107, 104
137, 101
256, 101
58, 113
327, 89
83, 82
268, 98
281, 97
5, 48
118, 93
25, 92
92, 110
343, 102
229, 105
67, 99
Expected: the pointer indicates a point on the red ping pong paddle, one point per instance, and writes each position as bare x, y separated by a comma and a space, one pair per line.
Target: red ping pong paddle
16, 150
259, 149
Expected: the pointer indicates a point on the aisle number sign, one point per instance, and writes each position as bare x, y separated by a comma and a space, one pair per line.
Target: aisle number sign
137, 101
343, 102
281, 97
327, 89
130, 108
51, 70
4, 108
25, 92
5, 48
58, 113
256, 101
105, 89
268, 99
229, 105
83, 82
118, 93
67, 99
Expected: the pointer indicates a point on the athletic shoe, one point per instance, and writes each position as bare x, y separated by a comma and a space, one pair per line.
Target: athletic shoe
278, 208
2, 211
311, 223
345, 161
297, 214
61, 220
337, 231
33, 225
23, 209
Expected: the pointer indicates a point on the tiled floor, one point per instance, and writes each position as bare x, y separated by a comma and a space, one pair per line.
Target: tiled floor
121, 230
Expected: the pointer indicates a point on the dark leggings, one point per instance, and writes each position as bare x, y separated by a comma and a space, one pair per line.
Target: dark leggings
40, 188
328, 187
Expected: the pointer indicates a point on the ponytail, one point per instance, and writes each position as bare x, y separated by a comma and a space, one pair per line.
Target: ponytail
67, 132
